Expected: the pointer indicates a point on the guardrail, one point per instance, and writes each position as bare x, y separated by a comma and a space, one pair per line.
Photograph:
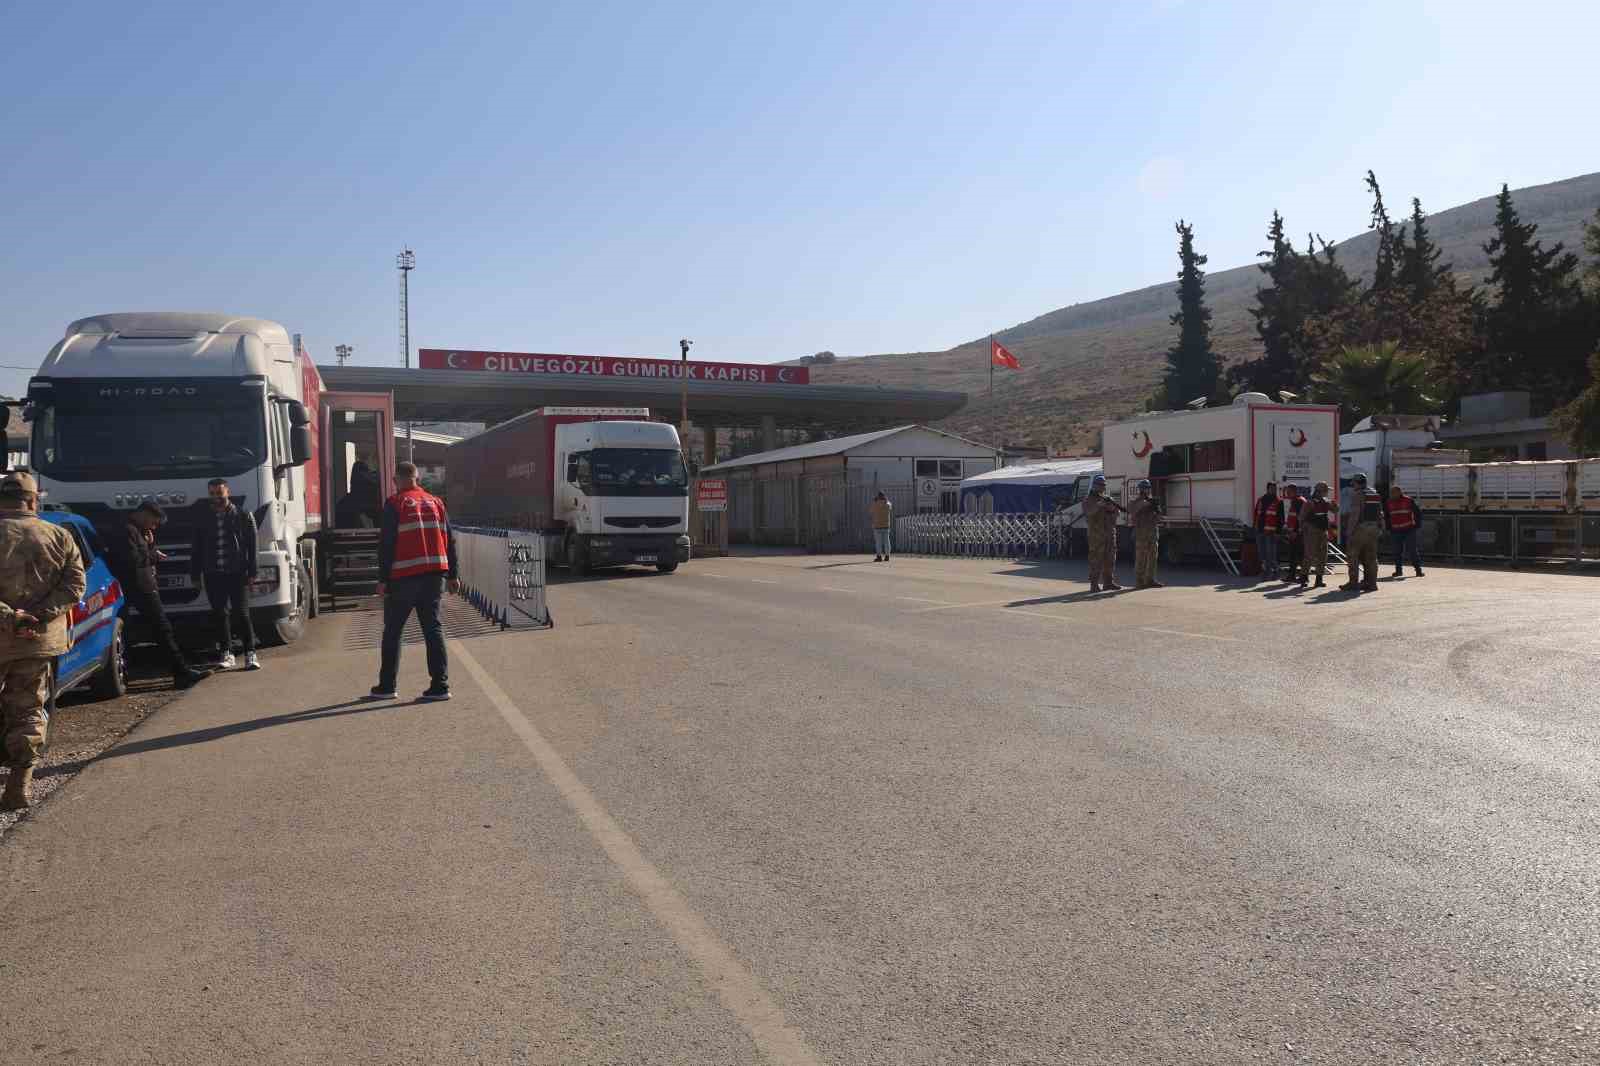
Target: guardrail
1491, 536
982, 535
502, 575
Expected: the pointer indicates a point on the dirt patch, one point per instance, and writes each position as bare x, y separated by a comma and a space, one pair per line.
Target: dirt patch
84, 727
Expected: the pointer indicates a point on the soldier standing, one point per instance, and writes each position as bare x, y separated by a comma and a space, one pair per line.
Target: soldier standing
1315, 519
1367, 513
1100, 516
41, 578
1145, 514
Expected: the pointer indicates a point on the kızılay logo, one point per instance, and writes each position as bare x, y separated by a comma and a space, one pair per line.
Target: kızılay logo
1297, 438
1138, 452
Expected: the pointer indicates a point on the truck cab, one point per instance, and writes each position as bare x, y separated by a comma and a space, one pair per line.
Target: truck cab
621, 495
152, 406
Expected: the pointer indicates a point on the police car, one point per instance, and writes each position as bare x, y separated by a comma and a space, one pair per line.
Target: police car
99, 655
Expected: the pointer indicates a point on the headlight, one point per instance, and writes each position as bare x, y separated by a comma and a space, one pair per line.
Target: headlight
600, 542
266, 580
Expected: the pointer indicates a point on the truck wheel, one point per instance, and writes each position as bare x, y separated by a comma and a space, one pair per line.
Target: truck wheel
667, 568
577, 558
288, 630
112, 680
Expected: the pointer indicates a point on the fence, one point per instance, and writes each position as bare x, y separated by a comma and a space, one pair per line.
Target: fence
1009, 536
502, 575
822, 512
1511, 537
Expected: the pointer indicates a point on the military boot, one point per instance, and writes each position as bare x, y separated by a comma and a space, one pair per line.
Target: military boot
16, 793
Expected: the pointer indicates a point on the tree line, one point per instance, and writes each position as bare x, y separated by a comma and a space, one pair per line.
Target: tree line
1413, 337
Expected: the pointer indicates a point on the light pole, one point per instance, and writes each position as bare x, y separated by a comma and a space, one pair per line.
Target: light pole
407, 262
683, 417
342, 352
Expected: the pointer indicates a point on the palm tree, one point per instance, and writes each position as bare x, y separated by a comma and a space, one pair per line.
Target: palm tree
1371, 379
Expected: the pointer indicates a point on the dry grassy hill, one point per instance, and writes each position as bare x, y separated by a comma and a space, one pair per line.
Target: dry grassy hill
1091, 362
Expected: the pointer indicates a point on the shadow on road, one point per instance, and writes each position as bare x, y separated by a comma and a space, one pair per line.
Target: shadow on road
201, 736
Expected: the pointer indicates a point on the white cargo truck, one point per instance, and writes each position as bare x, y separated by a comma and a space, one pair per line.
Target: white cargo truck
1209, 466
605, 486
153, 405
1377, 443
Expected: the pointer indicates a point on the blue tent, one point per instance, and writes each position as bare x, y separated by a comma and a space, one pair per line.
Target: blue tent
1026, 489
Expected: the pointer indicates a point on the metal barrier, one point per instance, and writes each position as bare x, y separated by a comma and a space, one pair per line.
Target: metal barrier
988, 535
502, 575
1505, 537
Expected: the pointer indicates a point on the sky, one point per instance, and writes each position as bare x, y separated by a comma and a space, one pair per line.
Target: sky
769, 179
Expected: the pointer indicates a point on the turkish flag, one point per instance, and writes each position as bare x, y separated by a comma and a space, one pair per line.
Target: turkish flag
999, 355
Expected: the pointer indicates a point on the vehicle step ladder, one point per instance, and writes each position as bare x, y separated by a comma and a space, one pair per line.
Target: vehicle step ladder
1217, 546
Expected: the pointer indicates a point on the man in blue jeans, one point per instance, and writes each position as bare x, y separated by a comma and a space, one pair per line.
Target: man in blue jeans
416, 558
1268, 521
882, 527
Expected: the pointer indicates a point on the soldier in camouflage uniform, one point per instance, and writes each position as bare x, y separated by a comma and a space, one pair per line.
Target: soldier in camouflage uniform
41, 577
1145, 514
1100, 516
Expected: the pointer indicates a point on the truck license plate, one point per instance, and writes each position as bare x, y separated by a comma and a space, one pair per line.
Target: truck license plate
172, 581
644, 558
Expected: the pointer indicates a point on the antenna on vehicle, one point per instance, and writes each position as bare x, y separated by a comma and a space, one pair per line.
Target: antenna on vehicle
1285, 396
1196, 403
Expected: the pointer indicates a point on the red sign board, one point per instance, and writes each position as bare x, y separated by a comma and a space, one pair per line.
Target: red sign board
711, 494
609, 366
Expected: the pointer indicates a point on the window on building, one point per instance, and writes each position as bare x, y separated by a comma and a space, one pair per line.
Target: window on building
950, 468
1174, 459
1536, 450
1213, 456
927, 468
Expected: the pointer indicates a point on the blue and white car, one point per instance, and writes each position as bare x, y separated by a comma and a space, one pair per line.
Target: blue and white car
99, 655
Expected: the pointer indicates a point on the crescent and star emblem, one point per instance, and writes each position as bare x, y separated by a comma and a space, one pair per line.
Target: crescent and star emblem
1297, 438
1138, 452
783, 374
450, 361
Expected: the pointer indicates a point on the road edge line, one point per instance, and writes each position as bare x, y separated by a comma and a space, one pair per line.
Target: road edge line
739, 990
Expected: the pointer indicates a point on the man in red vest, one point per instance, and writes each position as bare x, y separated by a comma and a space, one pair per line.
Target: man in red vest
1404, 519
1291, 527
416, 557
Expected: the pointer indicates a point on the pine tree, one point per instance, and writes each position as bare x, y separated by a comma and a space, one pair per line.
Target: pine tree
1420, 272
1391, 249
1533, 327
1276, 320
1193, 369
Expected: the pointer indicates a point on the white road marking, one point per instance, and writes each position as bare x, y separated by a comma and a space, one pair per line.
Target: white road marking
1197, 636
763, 581
741, 994
921, 599
956, 606
834, 588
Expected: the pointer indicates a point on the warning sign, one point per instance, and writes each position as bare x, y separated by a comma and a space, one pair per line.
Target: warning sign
711, 494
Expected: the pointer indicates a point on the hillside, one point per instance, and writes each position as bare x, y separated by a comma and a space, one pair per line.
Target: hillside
1091, 362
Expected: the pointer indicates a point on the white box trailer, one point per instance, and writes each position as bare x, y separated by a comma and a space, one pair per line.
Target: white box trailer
1209, 466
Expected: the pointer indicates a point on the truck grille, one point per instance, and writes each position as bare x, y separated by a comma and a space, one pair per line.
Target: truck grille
640, 522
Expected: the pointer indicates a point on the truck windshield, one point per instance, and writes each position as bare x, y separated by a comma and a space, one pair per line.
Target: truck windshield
218, 433
637, 472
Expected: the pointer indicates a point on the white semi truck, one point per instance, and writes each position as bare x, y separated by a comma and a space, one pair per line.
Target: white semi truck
152, 406
605, 486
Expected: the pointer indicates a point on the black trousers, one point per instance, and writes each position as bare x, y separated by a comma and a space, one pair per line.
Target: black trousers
148, 605
420, 594
230, 595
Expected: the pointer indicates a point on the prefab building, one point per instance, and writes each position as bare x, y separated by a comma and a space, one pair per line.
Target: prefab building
817, 495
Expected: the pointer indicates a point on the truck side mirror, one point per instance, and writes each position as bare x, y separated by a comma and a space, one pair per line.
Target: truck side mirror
300, 444
297, 414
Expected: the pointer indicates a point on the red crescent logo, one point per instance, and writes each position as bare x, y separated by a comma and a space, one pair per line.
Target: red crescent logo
783, 373
1297, 433
1140, 453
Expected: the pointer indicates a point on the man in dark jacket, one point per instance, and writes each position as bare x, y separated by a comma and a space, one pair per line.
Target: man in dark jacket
1268, 520
223, 558
133, 558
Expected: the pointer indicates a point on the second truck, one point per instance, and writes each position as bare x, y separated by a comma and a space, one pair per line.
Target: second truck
604, 485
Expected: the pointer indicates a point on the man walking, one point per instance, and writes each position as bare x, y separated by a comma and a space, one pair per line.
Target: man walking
1316, 518
882, 527
41, 577
133, 557
416, 556
1367, 512
1404, 519
1291, 527
1100, 518
223, 560
1268, 520
1145, 514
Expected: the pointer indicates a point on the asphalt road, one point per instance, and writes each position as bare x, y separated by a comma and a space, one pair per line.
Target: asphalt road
810, 809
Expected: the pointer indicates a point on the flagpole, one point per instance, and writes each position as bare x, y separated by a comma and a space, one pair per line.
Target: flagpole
1000, 458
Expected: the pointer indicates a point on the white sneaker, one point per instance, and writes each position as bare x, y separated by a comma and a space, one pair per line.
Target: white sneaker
227, 662
251, 662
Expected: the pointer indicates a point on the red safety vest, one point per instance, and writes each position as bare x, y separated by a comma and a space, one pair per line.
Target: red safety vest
1291, 514
421, 546
1267, 514
1401, 517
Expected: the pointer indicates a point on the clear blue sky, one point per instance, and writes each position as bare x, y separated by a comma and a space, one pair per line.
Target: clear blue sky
769, 179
